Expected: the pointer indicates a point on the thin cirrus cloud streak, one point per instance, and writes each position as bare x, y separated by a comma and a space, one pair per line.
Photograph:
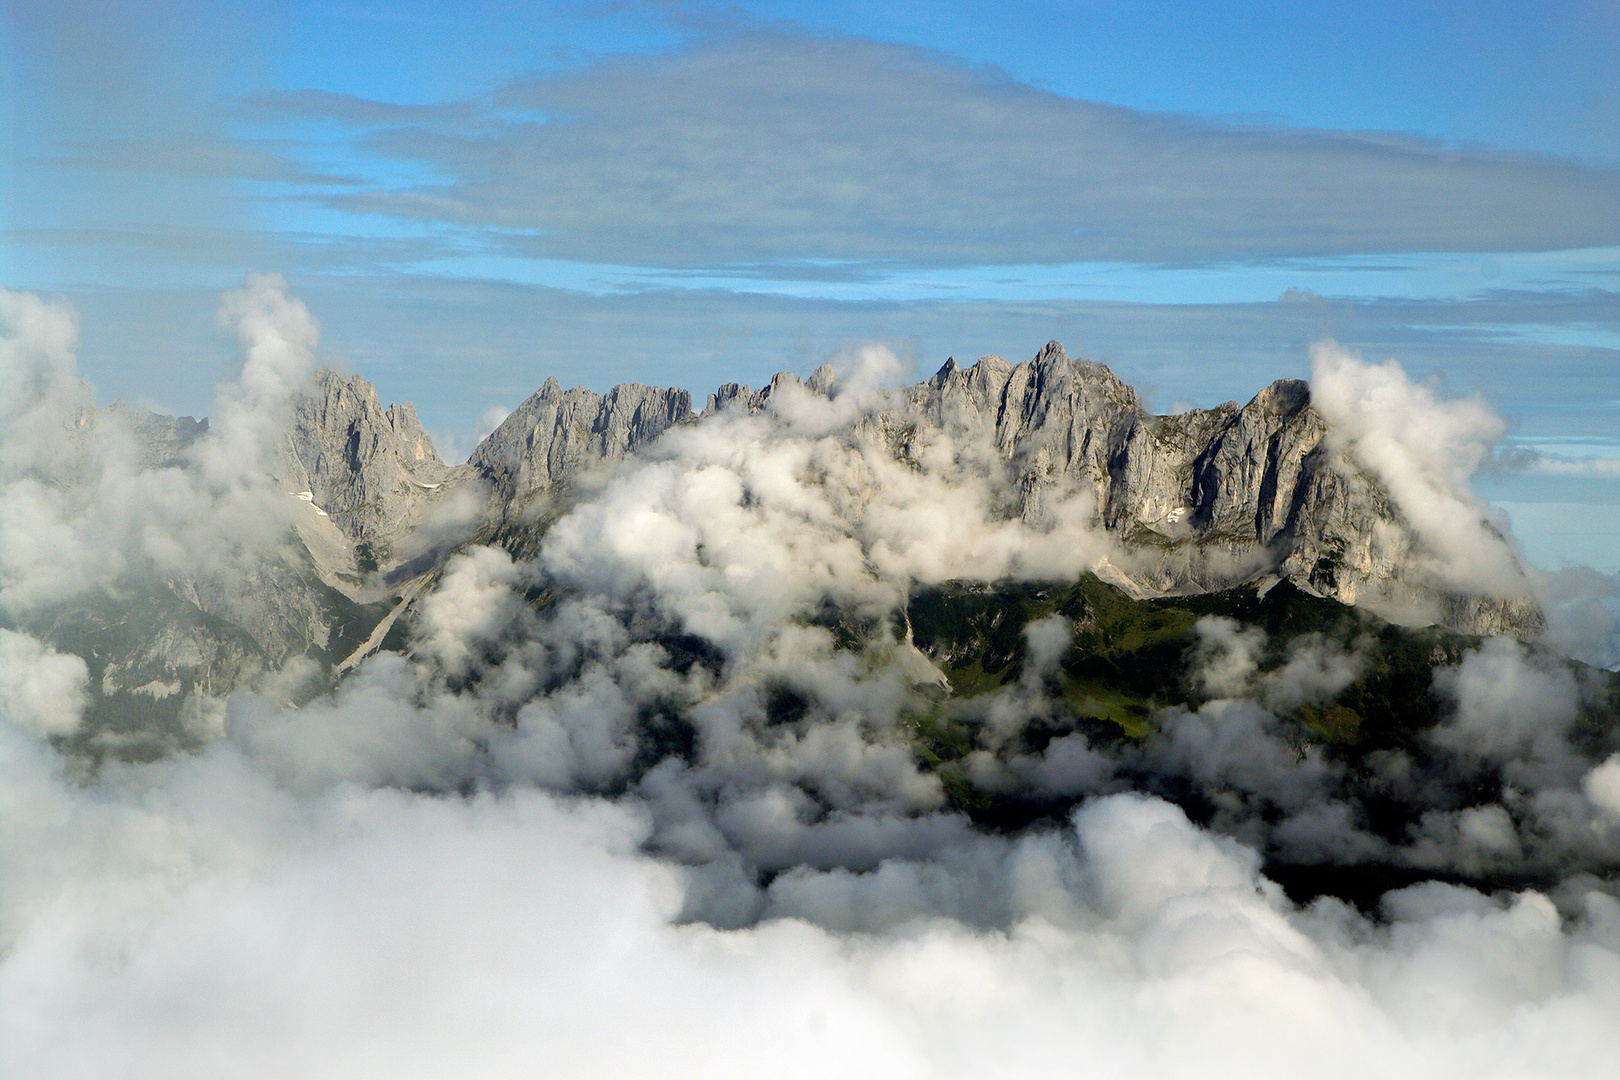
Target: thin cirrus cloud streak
220, 159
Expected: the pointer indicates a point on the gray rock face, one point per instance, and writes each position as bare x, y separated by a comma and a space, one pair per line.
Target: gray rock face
1199, 501
732, 396
160, 440
163, 655
369, 474
373, 470
1210, 498
165, 639
558, 434
1054, 421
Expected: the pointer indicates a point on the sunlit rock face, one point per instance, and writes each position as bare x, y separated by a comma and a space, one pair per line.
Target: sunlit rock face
1209, 498
373, 470
1186, 504
559, 433
1197, 501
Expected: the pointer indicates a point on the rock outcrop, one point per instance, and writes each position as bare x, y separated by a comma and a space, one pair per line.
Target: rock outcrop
1199, 501
373, 470
1193, 503
733, 396
161, 441
557, 434
1210, 498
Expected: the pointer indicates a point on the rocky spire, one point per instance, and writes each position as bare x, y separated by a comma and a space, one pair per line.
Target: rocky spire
373, 470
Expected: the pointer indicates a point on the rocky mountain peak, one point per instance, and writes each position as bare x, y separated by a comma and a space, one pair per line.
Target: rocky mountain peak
373, 470
1191, 503
1283, 398
161, 441
558, 433
1209, 498
1196, 501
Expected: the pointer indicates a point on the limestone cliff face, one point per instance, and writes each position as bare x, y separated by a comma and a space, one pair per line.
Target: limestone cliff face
1195, 502
558, 434
161, 441
373, 470
367, 473
733, 396
1209, 498
1198, 501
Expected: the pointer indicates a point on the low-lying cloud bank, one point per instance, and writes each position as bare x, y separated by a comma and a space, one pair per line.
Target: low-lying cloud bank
652, 802
176, 920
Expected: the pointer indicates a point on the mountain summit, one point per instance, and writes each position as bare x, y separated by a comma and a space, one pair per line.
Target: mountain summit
1193, 502
1042, 470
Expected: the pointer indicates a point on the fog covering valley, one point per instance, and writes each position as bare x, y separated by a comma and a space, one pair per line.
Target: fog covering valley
796, 738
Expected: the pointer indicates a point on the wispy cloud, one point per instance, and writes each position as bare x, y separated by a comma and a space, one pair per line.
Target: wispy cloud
769, 146
326, 105
1597, 468
195, 156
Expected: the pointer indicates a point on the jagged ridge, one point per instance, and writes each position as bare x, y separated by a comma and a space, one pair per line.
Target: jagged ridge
1202, 500
1197, 502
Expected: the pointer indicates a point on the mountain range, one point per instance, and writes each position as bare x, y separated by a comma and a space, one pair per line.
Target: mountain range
1188, 504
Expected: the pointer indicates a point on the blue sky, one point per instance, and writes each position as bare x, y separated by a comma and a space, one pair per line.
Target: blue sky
474, 196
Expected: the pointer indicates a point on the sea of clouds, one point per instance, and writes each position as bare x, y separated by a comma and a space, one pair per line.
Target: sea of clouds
577, 840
